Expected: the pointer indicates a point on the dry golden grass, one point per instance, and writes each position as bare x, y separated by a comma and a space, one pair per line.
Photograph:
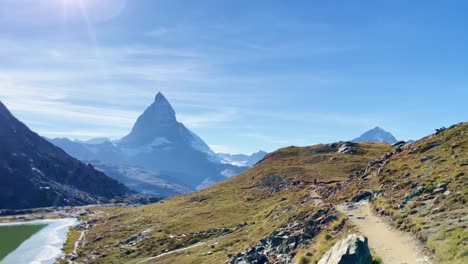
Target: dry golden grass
265, 197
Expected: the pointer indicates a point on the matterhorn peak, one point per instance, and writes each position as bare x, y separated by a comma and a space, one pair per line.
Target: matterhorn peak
160, 98
154, 121
161, 110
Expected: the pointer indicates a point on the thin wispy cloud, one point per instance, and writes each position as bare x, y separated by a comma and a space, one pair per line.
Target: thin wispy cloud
279, 75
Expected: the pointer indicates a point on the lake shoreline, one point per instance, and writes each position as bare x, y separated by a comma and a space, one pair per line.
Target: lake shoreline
39, 214
43, 247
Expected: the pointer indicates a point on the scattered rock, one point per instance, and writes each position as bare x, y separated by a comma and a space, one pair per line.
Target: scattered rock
347, 148
399, 143
430, 146
440, 130
362, 196
281, 245
437, 210
426, 158
351, 250
442, 185
98, 238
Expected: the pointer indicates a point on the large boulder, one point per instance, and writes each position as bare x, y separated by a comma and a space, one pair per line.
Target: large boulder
351, 250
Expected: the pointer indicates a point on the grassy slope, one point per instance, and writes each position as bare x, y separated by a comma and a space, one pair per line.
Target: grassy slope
265, 197
408, 183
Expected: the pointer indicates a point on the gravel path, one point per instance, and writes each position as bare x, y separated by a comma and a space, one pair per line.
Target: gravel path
392, 246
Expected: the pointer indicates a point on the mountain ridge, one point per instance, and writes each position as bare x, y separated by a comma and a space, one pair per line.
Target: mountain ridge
36, 173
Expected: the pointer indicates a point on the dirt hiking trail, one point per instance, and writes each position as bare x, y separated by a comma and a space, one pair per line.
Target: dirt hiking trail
392, 246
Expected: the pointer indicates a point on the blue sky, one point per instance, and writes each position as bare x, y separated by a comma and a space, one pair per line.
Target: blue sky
244, 75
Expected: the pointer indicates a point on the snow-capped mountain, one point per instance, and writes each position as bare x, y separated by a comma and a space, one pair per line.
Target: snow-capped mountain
158, 143
376, 134
242, 159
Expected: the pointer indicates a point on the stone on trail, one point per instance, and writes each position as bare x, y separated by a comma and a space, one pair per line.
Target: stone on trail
351, 250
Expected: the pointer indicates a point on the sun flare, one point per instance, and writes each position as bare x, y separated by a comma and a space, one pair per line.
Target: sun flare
97, 10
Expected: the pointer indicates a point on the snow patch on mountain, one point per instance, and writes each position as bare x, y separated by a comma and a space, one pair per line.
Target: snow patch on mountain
160, 141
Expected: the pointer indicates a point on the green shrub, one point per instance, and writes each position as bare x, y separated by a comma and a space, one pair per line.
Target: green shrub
304, 260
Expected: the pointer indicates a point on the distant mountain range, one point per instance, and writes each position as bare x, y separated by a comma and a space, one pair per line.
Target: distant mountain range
35, 173
376, 134
159, 152
242, 159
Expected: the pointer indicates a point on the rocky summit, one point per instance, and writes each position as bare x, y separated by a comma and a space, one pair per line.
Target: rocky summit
376, 134
157, 125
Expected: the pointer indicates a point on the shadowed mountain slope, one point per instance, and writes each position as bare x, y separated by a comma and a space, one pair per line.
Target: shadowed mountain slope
35, 173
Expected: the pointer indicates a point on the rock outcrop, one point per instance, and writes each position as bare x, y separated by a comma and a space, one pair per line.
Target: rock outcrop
351, 250
281, 246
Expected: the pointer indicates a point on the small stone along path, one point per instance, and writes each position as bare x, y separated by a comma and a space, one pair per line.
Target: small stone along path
392, 246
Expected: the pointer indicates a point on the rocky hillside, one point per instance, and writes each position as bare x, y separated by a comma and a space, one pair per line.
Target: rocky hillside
422, 187
283, 209
35, 173
269, 212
